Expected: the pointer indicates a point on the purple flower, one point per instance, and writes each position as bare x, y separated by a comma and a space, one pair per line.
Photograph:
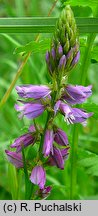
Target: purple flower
48, 143
74, 115
77, 94
61, 137
24, 140
57, 159
33, 91
38, 176
15, 158
62, 62
30, 109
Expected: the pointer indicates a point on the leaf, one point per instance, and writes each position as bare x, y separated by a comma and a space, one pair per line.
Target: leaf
35, 47
13, 184
44, 25
91, 107
91, 164
90, 161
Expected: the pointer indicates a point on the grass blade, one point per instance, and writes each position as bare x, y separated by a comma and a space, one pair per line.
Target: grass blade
43, 25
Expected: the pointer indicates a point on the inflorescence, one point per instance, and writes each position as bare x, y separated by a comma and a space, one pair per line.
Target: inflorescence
59, 97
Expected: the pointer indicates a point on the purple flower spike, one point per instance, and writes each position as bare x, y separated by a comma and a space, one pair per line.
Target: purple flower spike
61, 137
74, 115
77, 94
56, 159
29, 109
48, 143
24, 141
38, 176
62, 62
15, 158
76, 59
33, 91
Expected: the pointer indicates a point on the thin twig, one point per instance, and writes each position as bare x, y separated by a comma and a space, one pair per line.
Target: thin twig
51, 9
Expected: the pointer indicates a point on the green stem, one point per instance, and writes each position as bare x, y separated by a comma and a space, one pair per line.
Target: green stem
73, 158
28, 184
25, 173
8, 92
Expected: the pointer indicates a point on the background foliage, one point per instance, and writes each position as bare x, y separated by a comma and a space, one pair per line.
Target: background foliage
35, 72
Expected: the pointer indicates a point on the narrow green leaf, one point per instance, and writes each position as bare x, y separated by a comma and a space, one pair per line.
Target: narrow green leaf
43, 25
12, 176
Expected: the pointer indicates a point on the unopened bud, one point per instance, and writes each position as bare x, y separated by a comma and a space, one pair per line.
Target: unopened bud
76, 58
59, 52
62, 63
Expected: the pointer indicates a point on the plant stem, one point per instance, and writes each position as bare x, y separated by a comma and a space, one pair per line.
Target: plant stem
8, 92
28, 184
53, 6
73, 158
25, 173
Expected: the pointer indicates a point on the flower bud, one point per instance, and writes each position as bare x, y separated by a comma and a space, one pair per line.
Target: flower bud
59, 51
62, 63
64, 52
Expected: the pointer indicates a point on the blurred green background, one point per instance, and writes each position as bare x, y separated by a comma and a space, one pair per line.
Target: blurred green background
35, 72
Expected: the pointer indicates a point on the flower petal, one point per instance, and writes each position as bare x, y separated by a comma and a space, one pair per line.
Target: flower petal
38, 176
33, 91
15, 158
